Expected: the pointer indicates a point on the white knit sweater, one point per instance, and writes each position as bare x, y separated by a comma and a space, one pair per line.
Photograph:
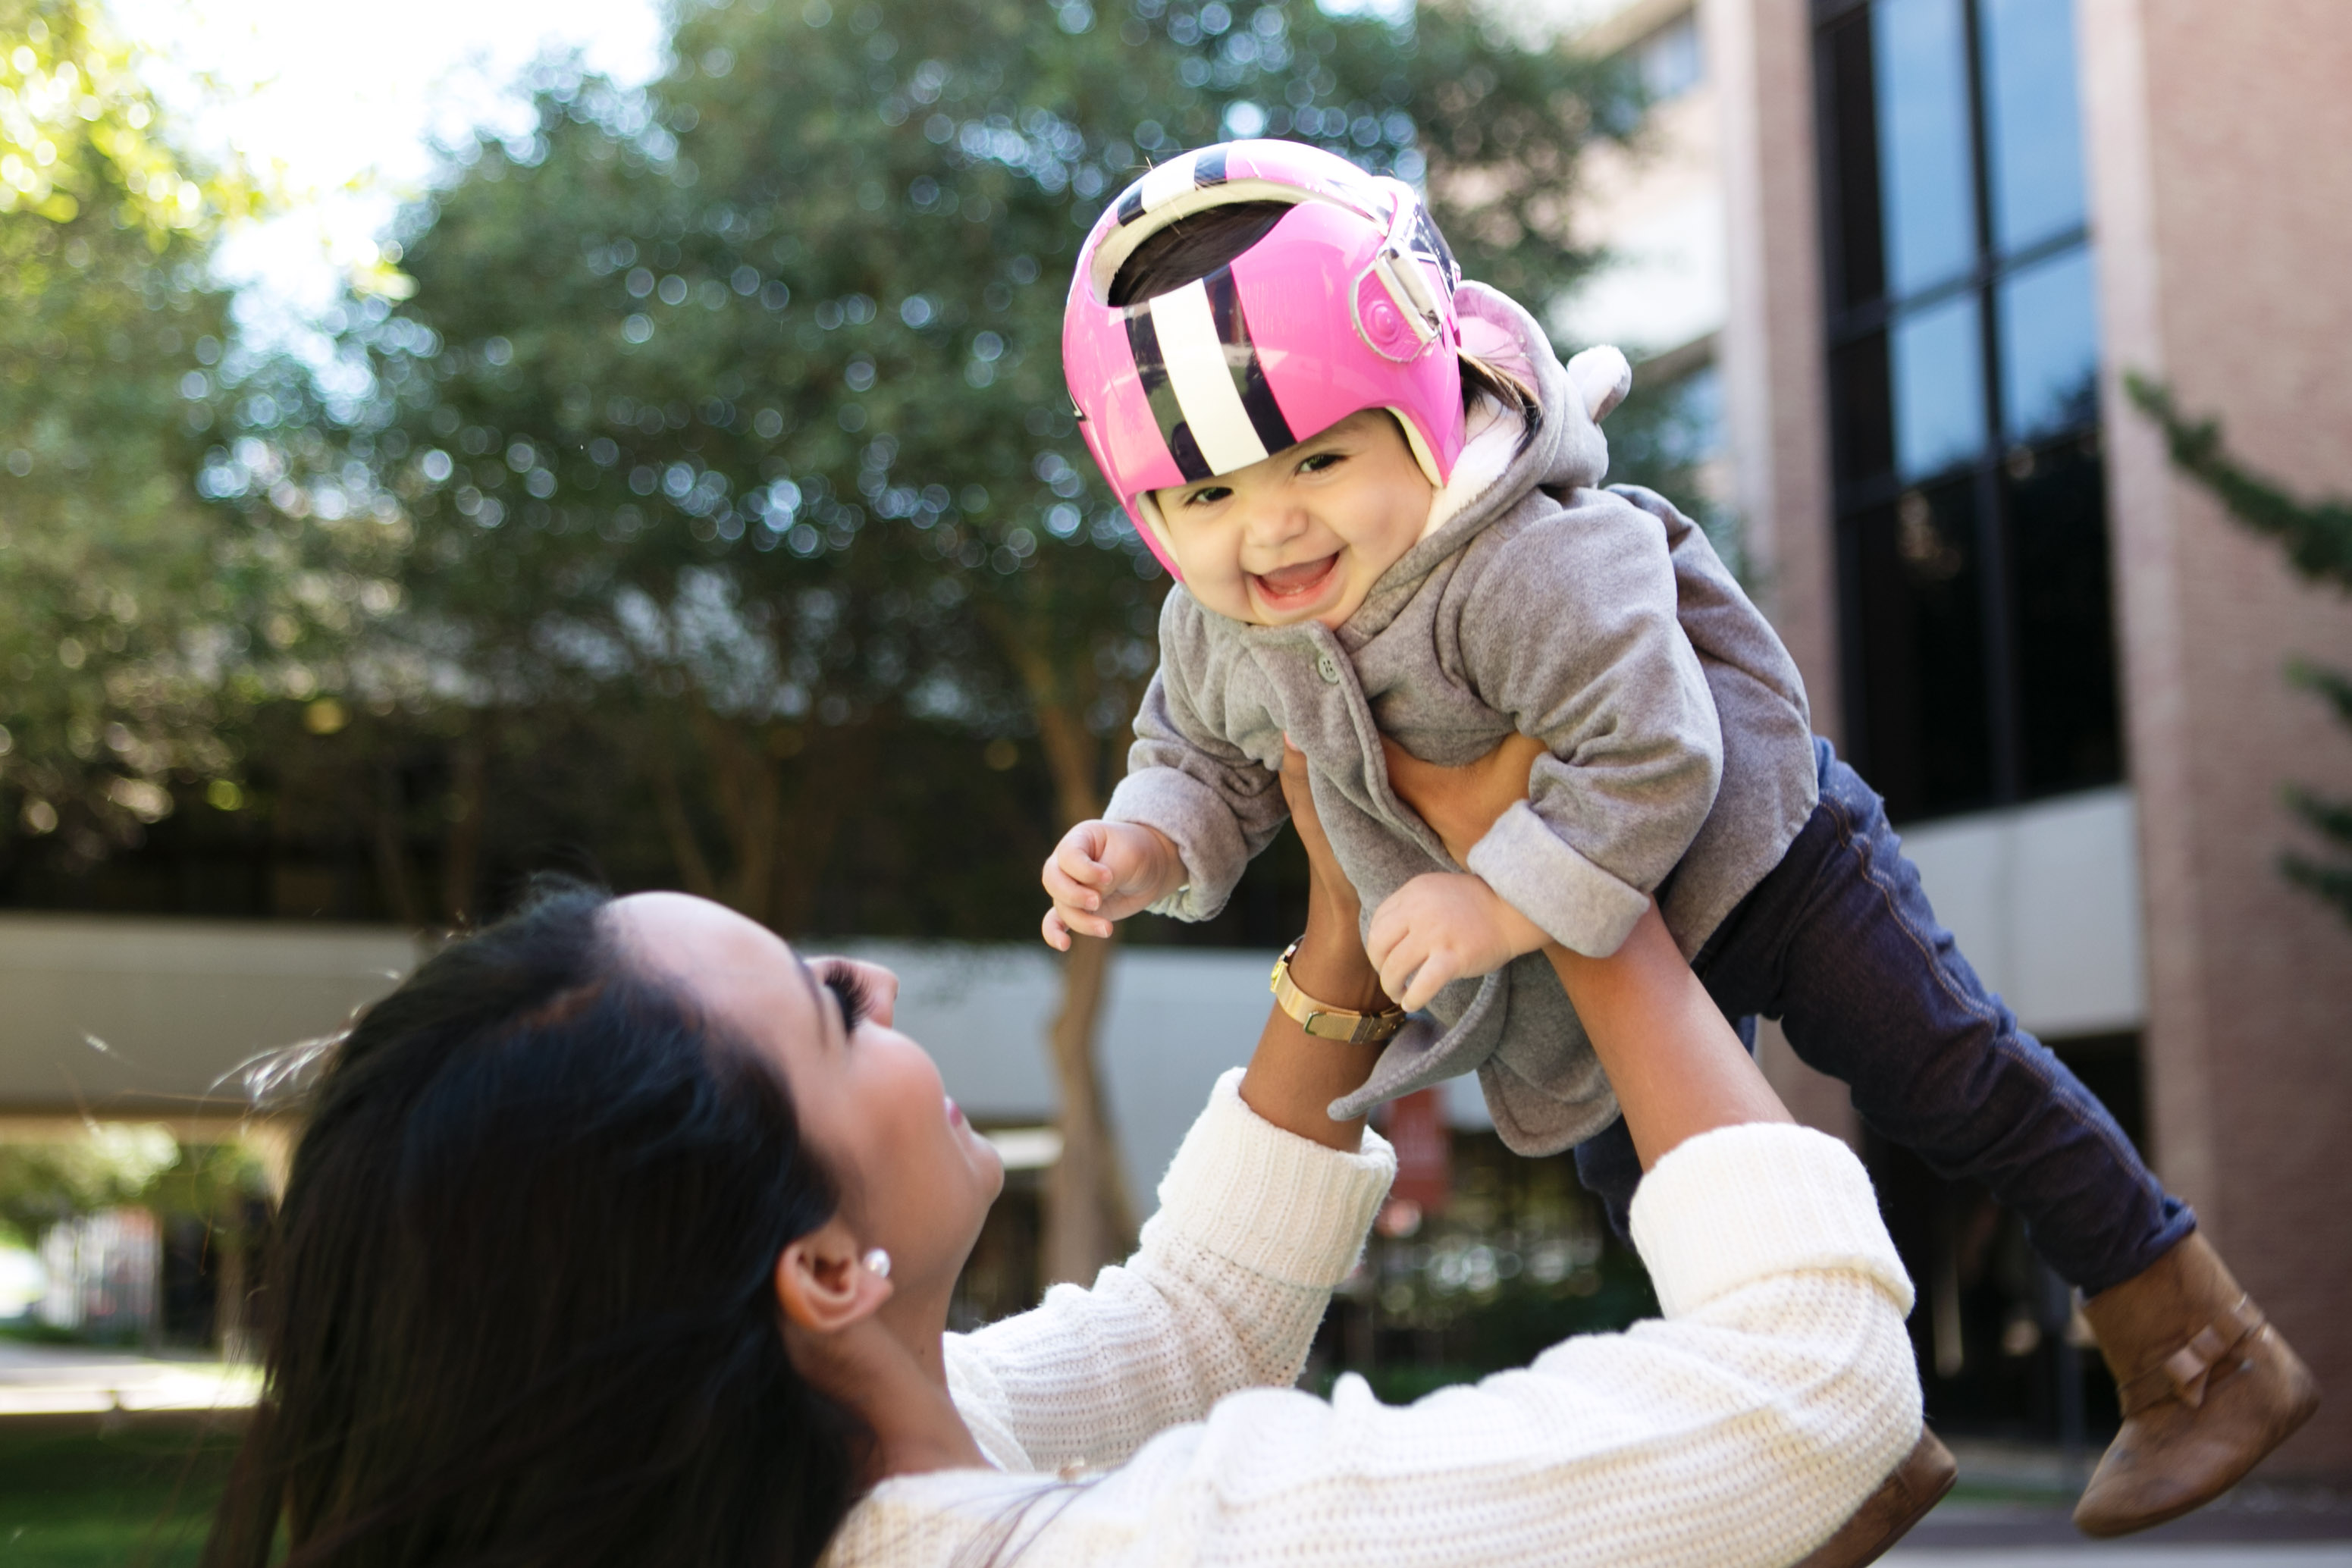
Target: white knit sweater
1150, 1419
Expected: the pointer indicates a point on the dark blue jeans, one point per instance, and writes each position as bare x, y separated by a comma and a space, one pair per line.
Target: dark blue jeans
1838, 942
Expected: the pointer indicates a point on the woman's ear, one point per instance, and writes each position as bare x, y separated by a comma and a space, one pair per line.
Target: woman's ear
824, 1283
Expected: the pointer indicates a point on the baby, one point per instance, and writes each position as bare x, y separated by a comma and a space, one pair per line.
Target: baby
1376, 486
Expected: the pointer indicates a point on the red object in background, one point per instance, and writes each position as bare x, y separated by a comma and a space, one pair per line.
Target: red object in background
1425, 1149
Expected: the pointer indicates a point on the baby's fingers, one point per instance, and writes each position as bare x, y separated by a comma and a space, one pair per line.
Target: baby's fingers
1058, 935
1405, 955
1439, 970
1389, 924
1073, 881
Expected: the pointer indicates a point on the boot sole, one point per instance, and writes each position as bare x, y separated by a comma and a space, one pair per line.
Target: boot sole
1925, 1474
2306, 1405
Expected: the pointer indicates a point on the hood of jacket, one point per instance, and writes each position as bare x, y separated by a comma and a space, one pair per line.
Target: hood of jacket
1494, 473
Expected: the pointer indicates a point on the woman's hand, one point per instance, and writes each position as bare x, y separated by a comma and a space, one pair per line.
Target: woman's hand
1461, 804
1292, 1077
1676, 1067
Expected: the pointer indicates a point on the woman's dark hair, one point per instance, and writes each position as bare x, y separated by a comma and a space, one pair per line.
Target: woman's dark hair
519, 1304
1191, 247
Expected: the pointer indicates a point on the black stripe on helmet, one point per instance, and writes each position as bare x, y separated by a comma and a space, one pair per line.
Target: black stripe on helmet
1265, 415
1151, 369
1209, 169
1130, 204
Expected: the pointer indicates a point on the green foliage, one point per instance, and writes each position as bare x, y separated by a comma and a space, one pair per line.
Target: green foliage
41, 1183
728, 415
118, 587
2317, 539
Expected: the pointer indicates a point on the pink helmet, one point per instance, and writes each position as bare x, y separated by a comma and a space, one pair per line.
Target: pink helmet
1346, 304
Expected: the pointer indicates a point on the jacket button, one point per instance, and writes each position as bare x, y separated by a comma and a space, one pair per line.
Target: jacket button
1327, 668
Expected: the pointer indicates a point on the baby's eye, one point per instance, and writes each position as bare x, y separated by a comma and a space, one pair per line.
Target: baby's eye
1208, 495
1317, 462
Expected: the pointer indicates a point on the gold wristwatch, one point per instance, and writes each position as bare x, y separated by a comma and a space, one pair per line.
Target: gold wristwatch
1326, 1022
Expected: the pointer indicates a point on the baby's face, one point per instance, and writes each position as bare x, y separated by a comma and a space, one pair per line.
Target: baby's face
1303, 535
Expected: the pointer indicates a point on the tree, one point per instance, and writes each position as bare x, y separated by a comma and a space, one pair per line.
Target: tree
729, 416
2317, 539
108, 348
42, 1183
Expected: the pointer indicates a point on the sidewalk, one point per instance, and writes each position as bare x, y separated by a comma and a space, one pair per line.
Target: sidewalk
71, 1380
2013, 1505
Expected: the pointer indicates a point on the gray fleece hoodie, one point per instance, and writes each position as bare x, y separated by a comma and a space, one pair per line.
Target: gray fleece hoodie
1600, 622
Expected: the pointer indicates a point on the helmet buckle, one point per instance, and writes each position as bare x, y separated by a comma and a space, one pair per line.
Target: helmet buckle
1400, 319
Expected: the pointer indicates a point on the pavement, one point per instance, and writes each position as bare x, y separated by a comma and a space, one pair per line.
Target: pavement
2012, 1503
2009, 1510
38, 1380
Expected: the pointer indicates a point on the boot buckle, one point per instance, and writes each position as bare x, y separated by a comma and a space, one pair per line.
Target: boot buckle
2185, 1374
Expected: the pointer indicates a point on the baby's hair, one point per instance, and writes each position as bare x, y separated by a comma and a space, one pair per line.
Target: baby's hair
1191, 247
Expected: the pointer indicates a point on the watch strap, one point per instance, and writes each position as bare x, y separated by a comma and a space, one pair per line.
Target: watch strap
1325, 1021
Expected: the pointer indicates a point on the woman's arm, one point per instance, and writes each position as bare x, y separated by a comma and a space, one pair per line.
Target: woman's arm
1775, 1393
1292, 1076
1676, 1067
1262, 1211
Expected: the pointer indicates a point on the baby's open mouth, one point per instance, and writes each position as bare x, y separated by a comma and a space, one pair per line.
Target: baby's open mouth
1288, 585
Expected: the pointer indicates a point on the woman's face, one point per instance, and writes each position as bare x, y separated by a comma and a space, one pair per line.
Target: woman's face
914, 1178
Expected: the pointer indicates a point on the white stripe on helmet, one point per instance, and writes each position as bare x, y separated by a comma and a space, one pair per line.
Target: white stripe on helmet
1169, 180
1204, 383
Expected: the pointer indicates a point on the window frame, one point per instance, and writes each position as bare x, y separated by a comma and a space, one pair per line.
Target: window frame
1855, 501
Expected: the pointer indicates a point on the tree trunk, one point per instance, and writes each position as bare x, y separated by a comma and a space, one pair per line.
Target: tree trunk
836, 769
461, 858
678, 826
1089, 1219
388, 840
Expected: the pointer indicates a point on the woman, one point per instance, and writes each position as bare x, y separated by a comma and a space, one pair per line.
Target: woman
619, 1235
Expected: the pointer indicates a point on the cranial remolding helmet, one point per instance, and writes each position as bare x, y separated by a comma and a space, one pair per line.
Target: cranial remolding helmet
1346, 304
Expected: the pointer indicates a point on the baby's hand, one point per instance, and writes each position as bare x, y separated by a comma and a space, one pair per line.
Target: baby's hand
1441, 927
1106, 871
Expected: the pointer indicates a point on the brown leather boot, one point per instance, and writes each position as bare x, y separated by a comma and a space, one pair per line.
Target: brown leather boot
1886, 1515
2208, 1388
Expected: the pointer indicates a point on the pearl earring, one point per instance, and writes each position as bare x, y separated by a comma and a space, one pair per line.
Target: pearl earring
877, 1263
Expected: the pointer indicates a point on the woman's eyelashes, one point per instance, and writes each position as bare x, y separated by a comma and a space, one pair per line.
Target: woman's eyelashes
851, 993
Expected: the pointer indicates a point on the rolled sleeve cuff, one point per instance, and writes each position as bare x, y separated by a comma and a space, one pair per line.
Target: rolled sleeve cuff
1730, 1206
1538, 873
1277, 1205
1196, 819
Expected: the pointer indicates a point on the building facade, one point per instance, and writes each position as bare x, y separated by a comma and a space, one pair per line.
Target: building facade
1944, 233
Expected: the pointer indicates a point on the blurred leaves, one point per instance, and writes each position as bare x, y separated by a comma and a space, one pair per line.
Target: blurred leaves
731, 410
115, 592
115, 1164
706, 462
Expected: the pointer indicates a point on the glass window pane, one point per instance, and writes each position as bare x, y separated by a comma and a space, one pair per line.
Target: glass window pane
1940, 413
2067, 720
1925, 172
1918, 612
1863, 407
1853, 130
1668, 61
2034, 122
2049, 348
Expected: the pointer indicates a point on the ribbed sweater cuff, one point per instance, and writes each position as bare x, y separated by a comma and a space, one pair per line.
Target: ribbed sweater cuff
1735, 1204
1271, 1202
